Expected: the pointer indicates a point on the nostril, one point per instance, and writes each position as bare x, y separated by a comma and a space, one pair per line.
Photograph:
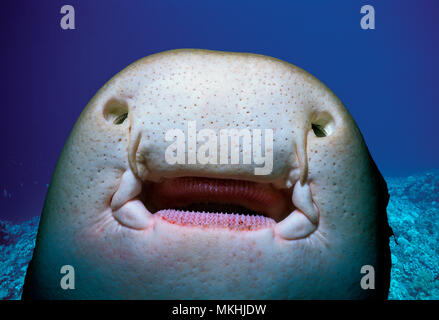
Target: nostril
322, 124
120, 119
319, 131
115, 111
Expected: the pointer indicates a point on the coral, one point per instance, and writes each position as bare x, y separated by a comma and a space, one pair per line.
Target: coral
17, 242
413, 213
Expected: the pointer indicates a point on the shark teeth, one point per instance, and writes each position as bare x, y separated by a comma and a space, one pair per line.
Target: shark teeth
231, 221
302, 221
129, 188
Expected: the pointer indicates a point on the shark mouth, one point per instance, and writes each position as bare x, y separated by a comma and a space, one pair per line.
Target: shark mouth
235, 204
212, 203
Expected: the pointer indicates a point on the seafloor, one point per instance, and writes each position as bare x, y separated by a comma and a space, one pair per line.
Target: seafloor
413, 215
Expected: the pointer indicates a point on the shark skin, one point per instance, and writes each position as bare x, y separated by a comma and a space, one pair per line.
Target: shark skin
134, 226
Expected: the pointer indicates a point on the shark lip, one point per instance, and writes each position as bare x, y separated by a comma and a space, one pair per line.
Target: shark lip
201, 195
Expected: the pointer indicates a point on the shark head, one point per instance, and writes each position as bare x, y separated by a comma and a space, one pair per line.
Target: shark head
205, 174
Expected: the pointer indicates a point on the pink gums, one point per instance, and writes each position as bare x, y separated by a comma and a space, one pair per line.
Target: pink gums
220, 220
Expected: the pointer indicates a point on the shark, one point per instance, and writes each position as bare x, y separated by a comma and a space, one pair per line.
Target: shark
133, 224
